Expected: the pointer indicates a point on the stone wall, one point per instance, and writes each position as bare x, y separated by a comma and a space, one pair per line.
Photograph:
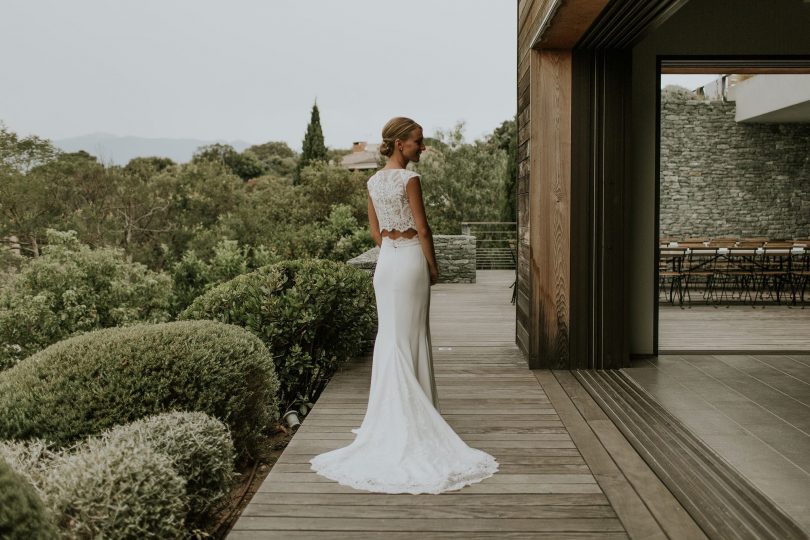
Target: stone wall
455, 256
723, 178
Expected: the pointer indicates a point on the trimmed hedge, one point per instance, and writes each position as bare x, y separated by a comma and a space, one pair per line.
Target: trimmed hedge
313, 315
88, 383
117, 491
198, 447
31, 458
201, 451
22, 514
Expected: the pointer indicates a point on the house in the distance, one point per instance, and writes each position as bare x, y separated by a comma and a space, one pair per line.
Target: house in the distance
363, 157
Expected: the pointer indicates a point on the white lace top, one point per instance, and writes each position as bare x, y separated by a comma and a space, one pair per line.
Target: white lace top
387, 190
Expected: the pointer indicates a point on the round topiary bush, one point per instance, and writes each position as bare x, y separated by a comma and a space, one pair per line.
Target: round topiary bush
122, 490
201, 450
313, 314
88, 383
22, 514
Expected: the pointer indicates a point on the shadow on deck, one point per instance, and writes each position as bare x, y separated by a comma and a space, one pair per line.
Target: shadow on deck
566, 471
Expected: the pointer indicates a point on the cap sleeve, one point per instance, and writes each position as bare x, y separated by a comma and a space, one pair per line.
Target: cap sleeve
408, 175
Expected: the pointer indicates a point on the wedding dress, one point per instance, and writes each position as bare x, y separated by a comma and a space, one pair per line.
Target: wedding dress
403, 444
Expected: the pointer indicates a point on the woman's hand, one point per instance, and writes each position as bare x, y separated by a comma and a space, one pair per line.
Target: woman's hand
434, 274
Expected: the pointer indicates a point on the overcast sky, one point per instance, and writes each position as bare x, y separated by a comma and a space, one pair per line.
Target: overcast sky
251, 69
690, 82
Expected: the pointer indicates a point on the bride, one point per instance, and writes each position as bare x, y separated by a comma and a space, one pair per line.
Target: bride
403, 445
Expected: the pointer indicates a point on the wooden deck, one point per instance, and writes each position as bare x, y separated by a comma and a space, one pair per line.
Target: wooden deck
565, 471
729, 329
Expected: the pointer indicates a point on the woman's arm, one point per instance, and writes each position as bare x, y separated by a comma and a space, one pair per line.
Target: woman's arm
413, 187
373, 223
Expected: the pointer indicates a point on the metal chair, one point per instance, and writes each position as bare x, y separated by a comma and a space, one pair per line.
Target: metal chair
670, 271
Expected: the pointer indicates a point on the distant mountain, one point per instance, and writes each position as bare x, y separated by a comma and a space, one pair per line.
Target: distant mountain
109, 148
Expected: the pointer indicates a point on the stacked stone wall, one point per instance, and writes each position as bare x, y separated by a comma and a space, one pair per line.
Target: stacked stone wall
455, 256
723, 178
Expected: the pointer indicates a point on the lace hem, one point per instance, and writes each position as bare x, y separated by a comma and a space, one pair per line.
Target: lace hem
473, 474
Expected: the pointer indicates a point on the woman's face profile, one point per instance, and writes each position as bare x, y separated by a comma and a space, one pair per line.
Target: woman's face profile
413, 146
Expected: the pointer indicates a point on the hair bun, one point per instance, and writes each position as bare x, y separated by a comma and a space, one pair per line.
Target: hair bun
386, 148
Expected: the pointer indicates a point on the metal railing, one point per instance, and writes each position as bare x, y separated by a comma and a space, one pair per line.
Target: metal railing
495, 243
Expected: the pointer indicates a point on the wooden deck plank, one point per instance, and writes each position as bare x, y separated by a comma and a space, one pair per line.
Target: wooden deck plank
482, 429
450, 498
513, 468
501, 478
474, 438
528, 489
434, 535
429, 525
430, 512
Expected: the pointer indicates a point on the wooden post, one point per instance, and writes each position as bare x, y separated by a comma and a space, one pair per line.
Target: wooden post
550, 207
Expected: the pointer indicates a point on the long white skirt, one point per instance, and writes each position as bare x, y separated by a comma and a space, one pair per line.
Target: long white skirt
403, 444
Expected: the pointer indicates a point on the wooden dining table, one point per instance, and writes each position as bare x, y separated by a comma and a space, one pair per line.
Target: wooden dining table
684, 261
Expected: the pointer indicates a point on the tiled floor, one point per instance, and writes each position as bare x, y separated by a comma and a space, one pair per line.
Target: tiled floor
701, 328
754, 410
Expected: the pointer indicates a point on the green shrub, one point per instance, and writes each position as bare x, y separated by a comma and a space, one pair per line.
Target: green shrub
93, 489
339, 238
198, 446
22, 514
312, 314
192, 275
122, 490
88, 383
201, 451
70, 289
31, 459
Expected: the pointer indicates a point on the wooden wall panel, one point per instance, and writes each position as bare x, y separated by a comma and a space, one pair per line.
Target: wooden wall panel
527, 11
530, 14
550, 208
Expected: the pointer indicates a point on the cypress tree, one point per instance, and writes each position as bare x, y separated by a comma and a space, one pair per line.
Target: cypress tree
313, 147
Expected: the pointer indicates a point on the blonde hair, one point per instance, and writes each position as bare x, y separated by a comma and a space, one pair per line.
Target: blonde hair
397, 128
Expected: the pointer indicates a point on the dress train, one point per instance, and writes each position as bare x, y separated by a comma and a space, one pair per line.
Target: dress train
404, 445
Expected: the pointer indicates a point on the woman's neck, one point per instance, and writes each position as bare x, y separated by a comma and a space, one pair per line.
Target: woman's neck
397, 163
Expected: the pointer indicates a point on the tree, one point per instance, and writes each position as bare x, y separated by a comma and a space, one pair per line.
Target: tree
278, 158
23, 154
26, 205
201, 195
313, 147
69, 191
505, 138
245, 165
321, 186
147, 167
271, 149
461, 181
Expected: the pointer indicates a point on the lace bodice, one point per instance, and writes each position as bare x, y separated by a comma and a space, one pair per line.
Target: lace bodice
387, 190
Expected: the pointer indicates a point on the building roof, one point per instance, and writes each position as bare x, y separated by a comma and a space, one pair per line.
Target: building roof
363, 157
